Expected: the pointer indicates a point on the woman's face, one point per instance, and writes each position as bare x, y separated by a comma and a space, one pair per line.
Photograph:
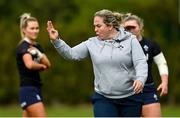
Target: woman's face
32, 30
133, 27
101, 29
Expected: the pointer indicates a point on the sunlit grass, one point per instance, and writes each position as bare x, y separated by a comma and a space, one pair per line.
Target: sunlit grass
70, 111
76, 111
171, 111
52, 111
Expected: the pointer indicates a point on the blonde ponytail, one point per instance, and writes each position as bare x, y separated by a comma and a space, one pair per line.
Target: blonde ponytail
24, 18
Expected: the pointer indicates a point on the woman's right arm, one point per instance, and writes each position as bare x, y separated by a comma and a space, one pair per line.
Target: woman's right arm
32, 65
78, 52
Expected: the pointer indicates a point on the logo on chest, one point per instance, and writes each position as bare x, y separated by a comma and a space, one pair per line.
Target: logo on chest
146, 49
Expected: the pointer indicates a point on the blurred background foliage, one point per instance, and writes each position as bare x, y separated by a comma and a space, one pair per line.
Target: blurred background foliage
72, 82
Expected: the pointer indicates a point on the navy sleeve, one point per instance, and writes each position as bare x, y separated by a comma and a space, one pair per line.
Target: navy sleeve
22, 49
156, 49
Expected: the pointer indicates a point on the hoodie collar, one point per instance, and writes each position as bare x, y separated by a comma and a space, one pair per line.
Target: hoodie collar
123, 35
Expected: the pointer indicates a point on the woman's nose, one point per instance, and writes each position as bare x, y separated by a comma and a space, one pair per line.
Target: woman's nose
95, 29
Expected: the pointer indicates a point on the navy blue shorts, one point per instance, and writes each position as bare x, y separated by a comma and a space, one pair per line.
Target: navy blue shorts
150, 95
124, 107
29, 95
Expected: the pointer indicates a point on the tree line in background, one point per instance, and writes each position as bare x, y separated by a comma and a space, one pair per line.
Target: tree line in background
72, 82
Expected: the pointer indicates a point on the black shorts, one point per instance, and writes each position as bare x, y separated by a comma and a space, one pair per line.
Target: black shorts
29, 95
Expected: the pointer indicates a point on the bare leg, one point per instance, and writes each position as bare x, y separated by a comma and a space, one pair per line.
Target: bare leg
151, 110
25, 114
36, 110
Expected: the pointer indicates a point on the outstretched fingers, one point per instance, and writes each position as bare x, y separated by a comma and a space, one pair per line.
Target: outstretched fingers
53, 33
50, 25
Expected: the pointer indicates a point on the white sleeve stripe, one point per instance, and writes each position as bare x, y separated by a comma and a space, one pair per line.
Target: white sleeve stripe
161, 63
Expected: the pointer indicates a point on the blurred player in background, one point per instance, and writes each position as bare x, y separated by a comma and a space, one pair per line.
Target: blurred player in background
30, 61
151, 107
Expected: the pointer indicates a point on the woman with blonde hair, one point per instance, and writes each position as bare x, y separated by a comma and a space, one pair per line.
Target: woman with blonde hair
31, 59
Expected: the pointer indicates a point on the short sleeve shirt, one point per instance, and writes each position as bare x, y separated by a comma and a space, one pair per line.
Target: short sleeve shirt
151, 49
27, 77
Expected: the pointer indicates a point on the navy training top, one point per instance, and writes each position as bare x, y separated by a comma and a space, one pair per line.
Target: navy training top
151, 49
27, 77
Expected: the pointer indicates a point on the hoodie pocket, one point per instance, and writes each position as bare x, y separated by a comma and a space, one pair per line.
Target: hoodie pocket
118, 84
103, 84
121, 83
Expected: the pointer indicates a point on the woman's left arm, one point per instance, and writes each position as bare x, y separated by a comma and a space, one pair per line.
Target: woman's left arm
44, 60
140, 65
163, 71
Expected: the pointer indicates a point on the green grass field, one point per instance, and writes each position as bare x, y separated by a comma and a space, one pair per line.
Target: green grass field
76, 111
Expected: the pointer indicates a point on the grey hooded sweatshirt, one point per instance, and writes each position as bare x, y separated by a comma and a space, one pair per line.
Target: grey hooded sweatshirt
116, 63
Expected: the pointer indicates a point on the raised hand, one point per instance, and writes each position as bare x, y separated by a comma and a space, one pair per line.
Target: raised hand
53, 33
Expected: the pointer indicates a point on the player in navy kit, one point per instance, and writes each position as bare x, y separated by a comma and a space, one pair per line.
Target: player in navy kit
151, 106
30, 60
